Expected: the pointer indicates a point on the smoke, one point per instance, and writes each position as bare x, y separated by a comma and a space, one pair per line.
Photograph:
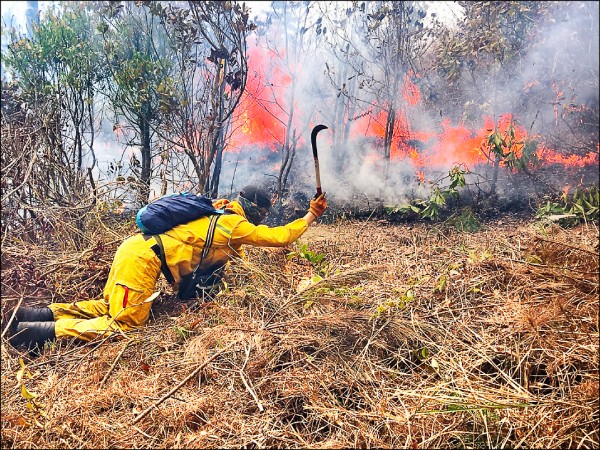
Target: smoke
567, 50
311, 62
428, 143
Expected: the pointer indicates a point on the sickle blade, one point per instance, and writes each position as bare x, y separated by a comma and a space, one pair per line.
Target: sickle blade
313, 141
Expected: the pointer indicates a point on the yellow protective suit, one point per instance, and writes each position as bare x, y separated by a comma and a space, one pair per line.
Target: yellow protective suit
136, 269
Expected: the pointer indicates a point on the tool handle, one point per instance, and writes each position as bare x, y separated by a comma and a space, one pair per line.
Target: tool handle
318, 175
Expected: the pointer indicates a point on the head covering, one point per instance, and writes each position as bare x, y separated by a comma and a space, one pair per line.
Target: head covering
258, 196
256, 203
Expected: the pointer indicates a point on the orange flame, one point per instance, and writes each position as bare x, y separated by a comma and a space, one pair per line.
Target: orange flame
411, 92
260, 123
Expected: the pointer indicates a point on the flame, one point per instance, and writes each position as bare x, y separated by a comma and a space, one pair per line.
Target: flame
411, 92
259, 123
118, 130
262, 116
531, 85
551, 157
458, 144
372, 158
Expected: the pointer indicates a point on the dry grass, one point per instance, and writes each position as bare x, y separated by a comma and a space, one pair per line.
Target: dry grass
415, 336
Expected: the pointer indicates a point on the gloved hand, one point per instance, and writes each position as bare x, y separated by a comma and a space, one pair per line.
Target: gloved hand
318, 205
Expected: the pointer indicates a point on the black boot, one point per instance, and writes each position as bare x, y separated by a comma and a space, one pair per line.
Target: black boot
27, 314
32, 334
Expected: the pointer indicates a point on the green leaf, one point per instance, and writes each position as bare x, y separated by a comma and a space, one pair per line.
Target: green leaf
534, 259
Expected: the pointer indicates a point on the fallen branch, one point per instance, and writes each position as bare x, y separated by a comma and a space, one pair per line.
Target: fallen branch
246, 383
184, 381
12, 317
566, 245
114, 364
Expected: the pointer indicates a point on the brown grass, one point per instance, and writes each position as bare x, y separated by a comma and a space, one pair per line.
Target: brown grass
415, 336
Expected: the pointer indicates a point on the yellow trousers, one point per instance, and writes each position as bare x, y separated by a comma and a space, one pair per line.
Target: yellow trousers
131, 282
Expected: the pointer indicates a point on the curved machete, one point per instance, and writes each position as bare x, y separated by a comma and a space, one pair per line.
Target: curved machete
313, 141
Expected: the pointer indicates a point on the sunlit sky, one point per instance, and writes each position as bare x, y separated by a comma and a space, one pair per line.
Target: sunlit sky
10, 9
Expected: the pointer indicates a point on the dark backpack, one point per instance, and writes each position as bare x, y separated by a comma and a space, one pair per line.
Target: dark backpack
171, 210
201, 282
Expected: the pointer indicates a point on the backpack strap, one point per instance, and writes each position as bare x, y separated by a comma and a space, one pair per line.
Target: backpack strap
210, 234
159, 249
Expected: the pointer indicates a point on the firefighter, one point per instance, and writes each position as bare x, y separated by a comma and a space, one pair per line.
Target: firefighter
129, 291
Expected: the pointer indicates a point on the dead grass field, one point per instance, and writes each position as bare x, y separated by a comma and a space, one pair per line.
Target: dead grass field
415, 336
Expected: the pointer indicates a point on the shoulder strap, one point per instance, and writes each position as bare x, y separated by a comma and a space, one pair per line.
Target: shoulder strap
160, 251
210, 234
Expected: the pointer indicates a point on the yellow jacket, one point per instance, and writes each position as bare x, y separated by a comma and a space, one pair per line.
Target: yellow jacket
184, 243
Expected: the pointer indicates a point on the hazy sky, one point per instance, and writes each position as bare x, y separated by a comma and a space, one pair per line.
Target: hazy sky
9, 9
15, 11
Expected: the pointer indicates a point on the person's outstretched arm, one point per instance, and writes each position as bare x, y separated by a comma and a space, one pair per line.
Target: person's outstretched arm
264, 236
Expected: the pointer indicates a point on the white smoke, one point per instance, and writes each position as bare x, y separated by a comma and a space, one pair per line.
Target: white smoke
566, 49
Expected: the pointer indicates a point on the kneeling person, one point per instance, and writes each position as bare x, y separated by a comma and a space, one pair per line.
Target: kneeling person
129, 291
